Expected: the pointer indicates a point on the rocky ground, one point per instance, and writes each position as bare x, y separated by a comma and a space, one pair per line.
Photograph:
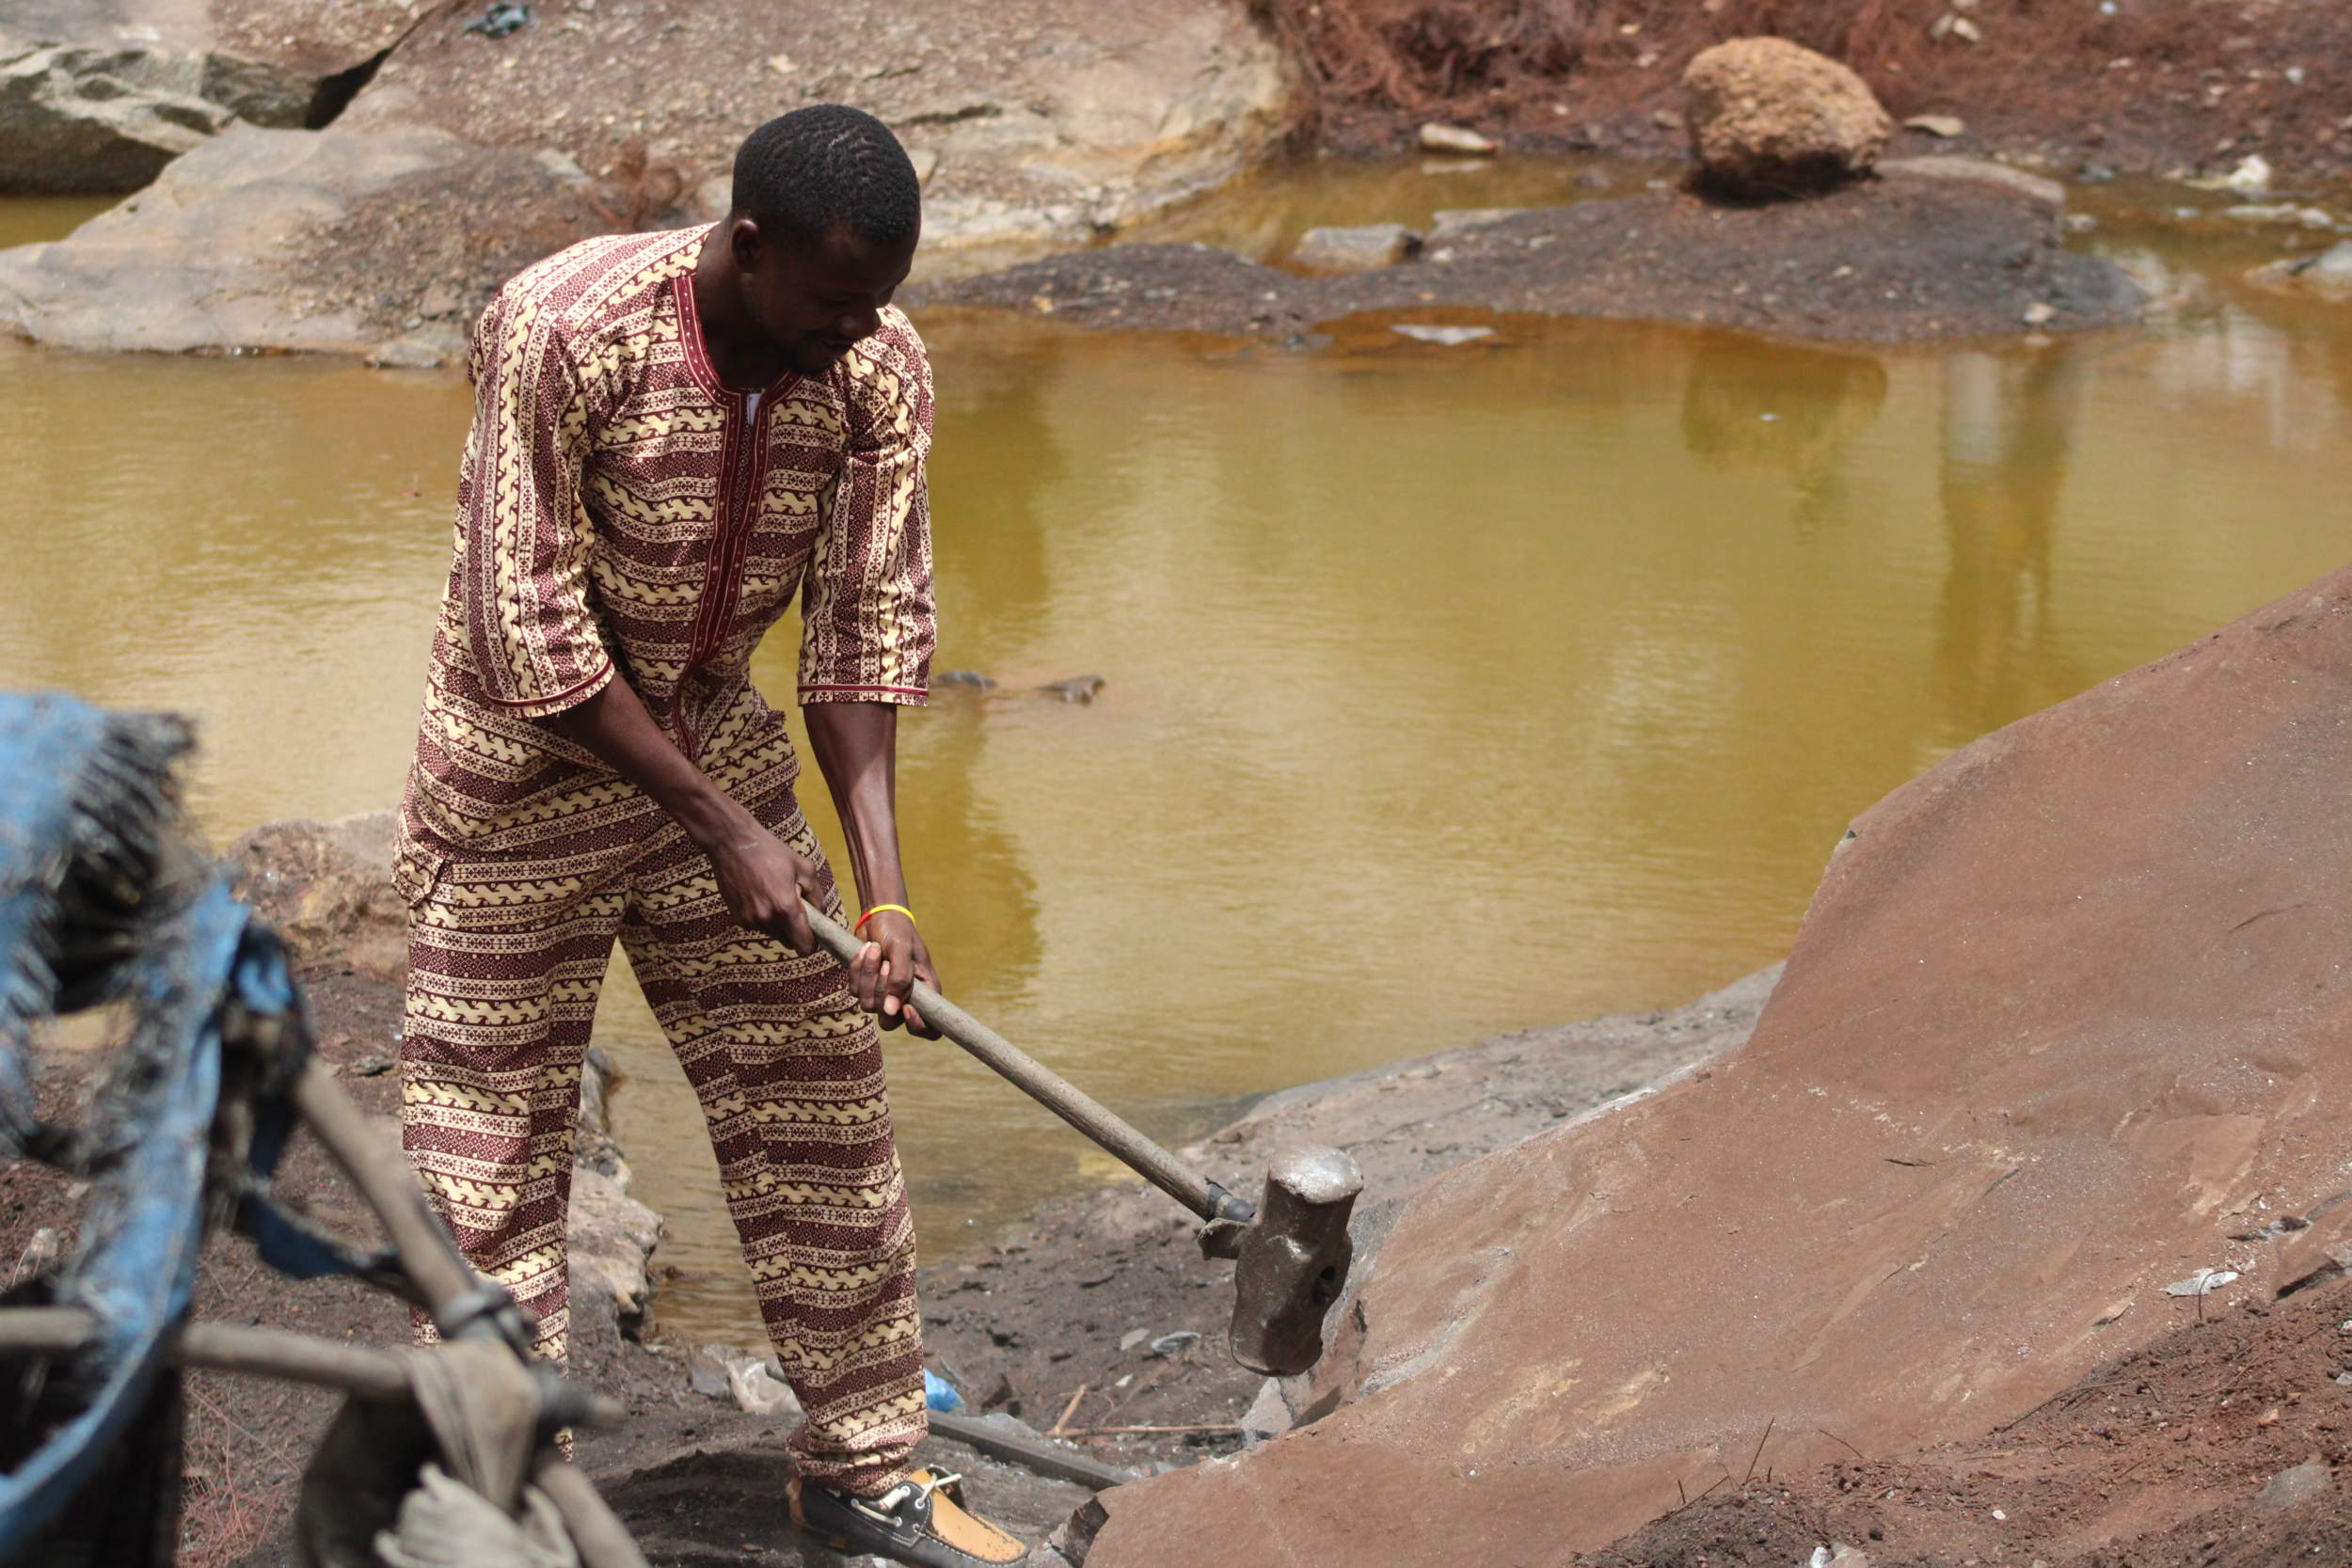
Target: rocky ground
1101, 1314
362, 174
1914, 253
2216, 1447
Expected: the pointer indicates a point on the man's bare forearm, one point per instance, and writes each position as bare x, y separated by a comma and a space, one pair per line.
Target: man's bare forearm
857, 750
614, 725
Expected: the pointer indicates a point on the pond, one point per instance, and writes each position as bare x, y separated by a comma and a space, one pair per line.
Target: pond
1448, 691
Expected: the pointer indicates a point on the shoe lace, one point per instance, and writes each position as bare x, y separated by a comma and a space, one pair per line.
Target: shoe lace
888, 1505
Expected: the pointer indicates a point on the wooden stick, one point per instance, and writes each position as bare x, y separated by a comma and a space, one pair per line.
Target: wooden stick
602, 1539
1118, 1432
1069, 1410
358, 1370
377, 1167
1147, 1158
1046, 1459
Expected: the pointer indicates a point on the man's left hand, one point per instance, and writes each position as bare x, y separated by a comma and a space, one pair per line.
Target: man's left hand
893, 959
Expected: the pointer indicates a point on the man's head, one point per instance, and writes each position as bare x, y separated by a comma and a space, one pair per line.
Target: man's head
826, 215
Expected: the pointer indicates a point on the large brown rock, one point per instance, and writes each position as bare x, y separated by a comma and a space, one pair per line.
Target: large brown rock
1770, 117
2066, 1023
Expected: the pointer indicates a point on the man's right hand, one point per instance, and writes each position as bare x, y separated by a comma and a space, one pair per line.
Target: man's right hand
760, 876
763, 881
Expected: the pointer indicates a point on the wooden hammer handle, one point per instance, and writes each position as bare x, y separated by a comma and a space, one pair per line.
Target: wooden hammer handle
1148, 1160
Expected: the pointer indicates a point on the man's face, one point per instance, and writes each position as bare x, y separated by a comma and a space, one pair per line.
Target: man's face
814, 300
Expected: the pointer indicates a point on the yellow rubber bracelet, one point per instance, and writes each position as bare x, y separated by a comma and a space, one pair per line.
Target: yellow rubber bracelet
859, 929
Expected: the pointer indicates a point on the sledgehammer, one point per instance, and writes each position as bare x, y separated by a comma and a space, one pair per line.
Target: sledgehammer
1291, 1251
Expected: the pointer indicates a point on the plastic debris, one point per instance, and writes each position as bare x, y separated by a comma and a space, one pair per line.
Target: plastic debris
759, 1392
2252, 175
2203, 1283
1456, 139
1168, 1345
1450, 336
503, 17
940, 1394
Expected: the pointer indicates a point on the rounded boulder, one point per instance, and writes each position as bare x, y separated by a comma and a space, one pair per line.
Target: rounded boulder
1768, 118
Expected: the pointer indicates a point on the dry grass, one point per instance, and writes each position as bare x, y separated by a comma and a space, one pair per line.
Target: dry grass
239, 1472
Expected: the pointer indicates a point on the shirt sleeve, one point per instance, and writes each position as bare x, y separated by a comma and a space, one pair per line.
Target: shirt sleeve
526, 537
866, 610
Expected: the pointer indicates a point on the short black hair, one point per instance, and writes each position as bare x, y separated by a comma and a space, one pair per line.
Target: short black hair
825, 167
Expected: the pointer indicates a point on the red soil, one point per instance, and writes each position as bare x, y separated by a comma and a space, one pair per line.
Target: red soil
2159, 84
2157, 1460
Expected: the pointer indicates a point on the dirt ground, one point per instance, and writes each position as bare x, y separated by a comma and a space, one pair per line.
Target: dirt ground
1893, 258
2218, 1445
2149, 86
1046, 1326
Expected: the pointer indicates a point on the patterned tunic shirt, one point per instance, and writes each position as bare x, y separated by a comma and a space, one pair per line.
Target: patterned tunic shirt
621, 511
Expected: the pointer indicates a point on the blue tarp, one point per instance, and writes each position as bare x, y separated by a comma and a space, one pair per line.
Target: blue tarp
135, 1263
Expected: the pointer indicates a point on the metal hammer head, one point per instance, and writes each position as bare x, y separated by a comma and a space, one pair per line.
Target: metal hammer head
1292, 1261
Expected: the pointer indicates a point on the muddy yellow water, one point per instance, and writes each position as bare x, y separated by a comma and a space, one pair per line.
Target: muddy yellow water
1448, 691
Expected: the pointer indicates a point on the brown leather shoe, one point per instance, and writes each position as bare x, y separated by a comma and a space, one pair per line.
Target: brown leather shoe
922, 1520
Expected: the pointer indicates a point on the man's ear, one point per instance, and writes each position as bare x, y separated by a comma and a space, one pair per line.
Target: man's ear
746, 244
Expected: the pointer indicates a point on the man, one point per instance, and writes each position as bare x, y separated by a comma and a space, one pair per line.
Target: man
673, 435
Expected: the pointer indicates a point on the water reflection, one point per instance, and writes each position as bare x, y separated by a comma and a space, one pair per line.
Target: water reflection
1770, 408
2010, 419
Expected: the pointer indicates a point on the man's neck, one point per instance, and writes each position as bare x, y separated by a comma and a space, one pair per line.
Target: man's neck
737, 349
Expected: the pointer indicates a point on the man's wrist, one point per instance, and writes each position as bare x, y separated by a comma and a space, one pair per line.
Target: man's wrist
714, 821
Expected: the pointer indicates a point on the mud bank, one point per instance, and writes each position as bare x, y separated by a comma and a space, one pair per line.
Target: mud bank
1934, 249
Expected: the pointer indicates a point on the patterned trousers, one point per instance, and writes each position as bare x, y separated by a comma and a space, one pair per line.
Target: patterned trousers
505, 957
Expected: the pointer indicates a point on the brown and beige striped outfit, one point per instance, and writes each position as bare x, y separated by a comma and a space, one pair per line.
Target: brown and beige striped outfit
620, 511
